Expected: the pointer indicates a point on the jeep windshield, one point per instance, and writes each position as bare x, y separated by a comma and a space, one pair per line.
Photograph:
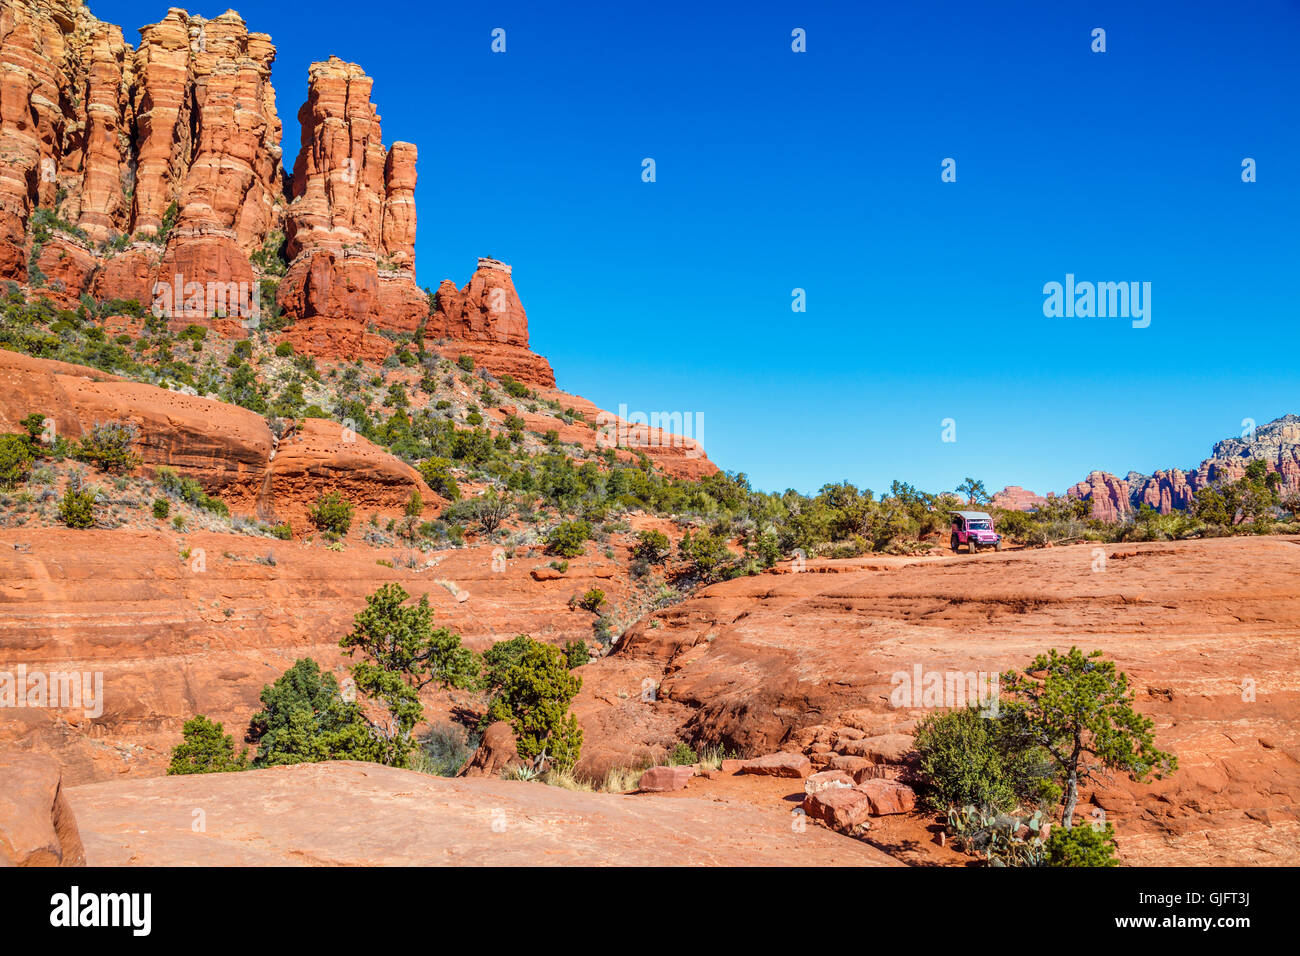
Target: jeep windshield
978, 525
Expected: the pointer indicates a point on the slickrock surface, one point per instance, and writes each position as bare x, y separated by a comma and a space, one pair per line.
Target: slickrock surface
805, 662
350, 813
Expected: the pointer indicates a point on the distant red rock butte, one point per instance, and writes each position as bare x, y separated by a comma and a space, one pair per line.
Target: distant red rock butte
1277, 444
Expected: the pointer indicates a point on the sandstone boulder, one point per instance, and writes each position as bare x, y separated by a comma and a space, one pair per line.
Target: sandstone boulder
779, 765
37, 827
665, 779
838, 808
887, 796
885, 748
496, 752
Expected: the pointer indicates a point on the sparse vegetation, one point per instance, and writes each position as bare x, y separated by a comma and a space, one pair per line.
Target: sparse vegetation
332, 513
205, 747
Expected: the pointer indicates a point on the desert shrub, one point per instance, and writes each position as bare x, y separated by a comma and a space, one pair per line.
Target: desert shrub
284, 350
436, 473
108, 446
682, 755
77, 509
533, 694
1015, 525
1082, 846
592, 600
970, 759
466, 362
652, 547
706, 552
515, 389
576, 654
16, 457
282, 531
205, 747
443, 750
304, 719
568, 538
490, 509
332, 513
161, 507
188, 489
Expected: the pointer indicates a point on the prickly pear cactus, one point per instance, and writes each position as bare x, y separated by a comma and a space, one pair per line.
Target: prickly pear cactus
993, 836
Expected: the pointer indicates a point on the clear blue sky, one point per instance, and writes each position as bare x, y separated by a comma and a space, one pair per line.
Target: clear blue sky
821, 170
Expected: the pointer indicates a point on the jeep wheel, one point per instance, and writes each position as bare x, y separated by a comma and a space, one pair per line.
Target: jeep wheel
955, 545
971, 546
998, 546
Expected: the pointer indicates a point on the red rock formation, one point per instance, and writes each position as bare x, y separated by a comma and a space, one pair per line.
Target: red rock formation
486, 310
351, 225
1166, 491
1109, 495
1015, 498
487, 321
1277, 444
115, 141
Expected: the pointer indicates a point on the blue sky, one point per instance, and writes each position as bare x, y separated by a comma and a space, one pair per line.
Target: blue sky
821, 170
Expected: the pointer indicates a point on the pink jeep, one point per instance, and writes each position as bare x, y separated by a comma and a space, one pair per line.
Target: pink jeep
975, 530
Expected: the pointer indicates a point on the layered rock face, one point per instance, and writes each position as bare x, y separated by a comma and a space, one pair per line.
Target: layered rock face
487, 321
180, 133
63, 93
350, 227
229, 449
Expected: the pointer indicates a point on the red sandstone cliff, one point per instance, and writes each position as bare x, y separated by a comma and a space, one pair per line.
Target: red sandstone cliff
116, 142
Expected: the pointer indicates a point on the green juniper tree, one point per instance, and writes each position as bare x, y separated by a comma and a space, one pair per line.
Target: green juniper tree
205, 747
304, 719
403, 652
1079, 708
